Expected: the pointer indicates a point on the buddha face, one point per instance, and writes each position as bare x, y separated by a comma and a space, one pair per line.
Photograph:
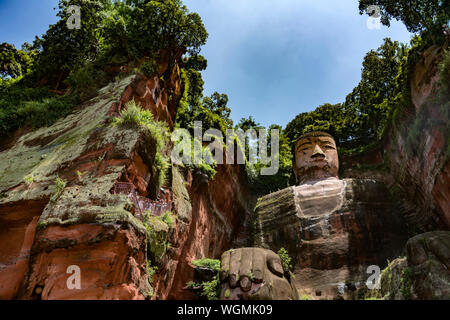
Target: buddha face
315, 158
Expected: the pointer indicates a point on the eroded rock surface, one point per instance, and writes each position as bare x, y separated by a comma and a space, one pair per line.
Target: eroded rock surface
423, 274
333, 230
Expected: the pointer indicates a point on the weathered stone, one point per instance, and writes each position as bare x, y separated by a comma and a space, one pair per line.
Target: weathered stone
254, 274
78, 222
420, 165
333, 229
423, 274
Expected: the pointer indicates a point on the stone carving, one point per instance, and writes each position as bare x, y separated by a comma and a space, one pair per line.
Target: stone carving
254, 273
333, 229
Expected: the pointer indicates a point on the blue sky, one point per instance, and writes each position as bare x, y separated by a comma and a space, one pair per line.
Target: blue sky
274, 59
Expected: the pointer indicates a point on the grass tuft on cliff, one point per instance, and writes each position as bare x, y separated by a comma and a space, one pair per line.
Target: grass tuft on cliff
135, 116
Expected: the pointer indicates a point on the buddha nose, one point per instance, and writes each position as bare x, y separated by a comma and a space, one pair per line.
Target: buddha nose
317, 152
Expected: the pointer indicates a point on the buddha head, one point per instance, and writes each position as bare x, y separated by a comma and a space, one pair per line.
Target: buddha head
316, 157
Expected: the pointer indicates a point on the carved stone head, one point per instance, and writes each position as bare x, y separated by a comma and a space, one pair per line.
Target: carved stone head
316, 157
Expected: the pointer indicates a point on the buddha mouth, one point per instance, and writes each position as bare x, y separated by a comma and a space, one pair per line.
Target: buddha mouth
320, 161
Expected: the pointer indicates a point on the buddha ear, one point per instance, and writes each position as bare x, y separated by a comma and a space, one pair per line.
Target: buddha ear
295, 171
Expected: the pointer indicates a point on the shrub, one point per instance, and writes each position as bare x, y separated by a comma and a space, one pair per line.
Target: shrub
213, 264
60, 185
167, 217
151, 270
36, 107
133, 115
406, 283
210, 289
29, 179
149, 68
285, 259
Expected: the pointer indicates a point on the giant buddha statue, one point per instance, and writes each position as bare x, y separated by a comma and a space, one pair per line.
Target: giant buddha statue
332, 229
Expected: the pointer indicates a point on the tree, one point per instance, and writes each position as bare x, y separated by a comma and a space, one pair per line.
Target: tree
248, 123
417, 15
13, 63
284, 177
196, 62
378, 83
117, 32
361, 120
217, 103
164, 24
327, 117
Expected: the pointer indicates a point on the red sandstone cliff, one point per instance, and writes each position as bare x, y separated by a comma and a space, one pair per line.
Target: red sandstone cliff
46, 227
101, 232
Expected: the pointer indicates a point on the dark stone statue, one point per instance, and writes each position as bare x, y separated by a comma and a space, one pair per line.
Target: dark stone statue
332, 229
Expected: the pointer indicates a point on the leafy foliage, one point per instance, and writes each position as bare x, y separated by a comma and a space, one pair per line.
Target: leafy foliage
417, 15
22, 106
406, 283
210, 289
151, 270
285, 259
362, 120
168, 218
133, 115
60, 186
213, 264
13, 63
284, 177
111, 34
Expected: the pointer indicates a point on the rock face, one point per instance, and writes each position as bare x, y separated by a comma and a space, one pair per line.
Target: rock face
254, 274
210, 215
423, 274
57, 207
74, 220
417, 148
333, 230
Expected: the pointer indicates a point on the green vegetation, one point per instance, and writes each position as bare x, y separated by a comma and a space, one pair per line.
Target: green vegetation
60, 186
22, 106
45, 80
14, 63
206, 163
212, 111
168, 218
206, 167
210, 289
406, 283
149, 68
284, 177
134, 116
212, 264
29, 179
285, 259
157, 230
361, 121
423, 16
151, 270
